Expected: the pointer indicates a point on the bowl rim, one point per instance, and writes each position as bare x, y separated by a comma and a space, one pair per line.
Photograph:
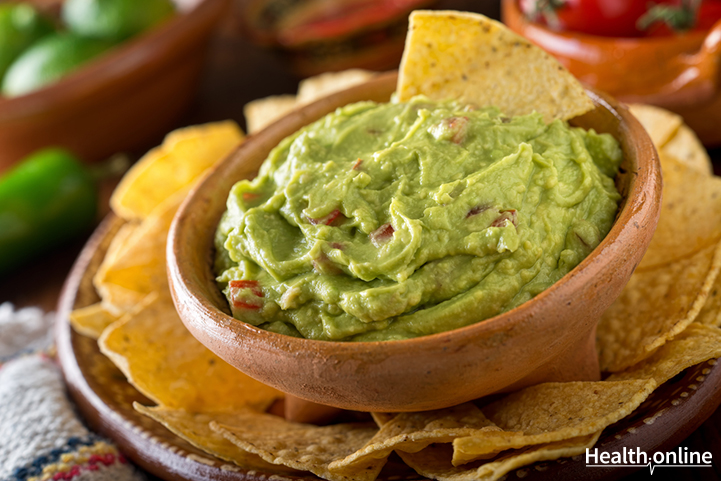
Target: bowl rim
134, 56
182, 285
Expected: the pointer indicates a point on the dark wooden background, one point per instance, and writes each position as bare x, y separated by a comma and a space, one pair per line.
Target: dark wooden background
238, 71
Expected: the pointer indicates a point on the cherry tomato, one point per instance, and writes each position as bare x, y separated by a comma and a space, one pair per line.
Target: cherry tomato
708, 14
612, 18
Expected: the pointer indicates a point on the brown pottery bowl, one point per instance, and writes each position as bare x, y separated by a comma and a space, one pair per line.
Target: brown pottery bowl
549, 338
677, 72
122, 100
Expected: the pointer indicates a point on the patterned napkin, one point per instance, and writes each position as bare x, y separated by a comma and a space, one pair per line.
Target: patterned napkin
41, 436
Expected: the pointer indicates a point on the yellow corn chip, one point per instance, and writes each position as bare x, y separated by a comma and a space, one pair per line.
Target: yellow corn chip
263, 112
710, 315
168, 365
696, 344
382, 418
552, 412
119, 300
411, 432
655, 306
473, 59
184, 155
195, 428
319, 86
688, 149
302, 446
660, 124
118, 243
138, 268
92, 320
690, 214
435, 461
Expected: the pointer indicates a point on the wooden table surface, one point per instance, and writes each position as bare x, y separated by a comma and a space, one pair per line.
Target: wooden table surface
236, 73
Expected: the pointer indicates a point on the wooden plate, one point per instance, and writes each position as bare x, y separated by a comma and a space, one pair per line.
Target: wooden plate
105, 398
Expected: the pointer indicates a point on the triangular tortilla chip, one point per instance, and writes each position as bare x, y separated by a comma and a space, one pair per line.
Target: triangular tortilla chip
552, 412
184, 155
303, 446
434, 462
471, 58
660, 124
655, 306
168, 365
696, 344
195, 428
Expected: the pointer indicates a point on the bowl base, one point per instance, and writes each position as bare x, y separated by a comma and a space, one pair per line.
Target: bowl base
577, 363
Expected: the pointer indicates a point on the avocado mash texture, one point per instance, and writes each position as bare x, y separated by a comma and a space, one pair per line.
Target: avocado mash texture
391, 221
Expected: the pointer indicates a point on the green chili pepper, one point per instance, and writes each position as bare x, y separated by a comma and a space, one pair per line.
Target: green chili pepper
47, 199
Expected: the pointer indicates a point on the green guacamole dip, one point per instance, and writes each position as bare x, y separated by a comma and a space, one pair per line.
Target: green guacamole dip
391, 221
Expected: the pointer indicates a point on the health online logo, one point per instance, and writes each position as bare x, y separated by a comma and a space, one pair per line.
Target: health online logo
628, 457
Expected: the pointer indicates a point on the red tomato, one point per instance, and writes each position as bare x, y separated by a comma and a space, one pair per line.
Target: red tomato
612, 18
708, 14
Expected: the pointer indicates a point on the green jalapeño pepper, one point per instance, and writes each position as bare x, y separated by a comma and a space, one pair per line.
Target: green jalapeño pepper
45, 200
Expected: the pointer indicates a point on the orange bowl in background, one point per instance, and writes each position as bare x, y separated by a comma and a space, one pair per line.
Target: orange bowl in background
677, 72
122, 100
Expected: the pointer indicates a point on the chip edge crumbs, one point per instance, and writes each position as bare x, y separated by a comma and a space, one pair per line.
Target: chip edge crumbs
566, 100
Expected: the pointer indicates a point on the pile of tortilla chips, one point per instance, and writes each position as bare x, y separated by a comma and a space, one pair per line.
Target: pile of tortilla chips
665, 321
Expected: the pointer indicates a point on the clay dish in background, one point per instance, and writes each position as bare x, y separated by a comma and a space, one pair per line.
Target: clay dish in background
120, 101
680, 72
550, 338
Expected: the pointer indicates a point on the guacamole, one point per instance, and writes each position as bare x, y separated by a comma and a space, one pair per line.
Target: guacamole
391, 221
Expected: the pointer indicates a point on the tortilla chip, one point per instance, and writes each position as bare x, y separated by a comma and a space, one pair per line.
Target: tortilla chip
710, 315
435, 461
686, 147
195, 428
471, 58
168, 365
319, 86
92, 320
302, 446
654, 307
411, 432
690, 214
263, 112
184, 155
119, 300
138, 268
660, 124
696, 344
118, 243
552, 412
382, 418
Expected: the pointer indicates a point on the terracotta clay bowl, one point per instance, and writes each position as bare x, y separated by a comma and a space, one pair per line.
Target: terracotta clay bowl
678, 72
550, 338
121, 101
